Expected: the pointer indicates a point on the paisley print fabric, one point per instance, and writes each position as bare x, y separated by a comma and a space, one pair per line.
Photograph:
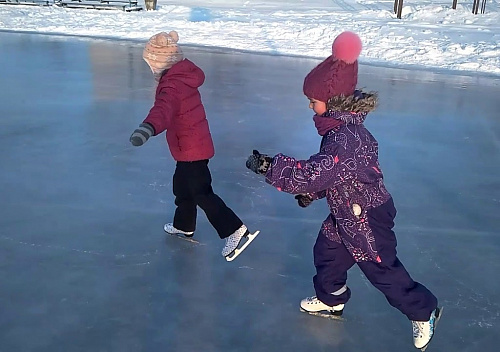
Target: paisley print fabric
346, 171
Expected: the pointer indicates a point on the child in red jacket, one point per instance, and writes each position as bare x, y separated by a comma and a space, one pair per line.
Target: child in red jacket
179, 111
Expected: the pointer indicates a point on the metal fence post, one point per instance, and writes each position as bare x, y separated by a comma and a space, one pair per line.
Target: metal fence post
398, 7
475, 7
483, 6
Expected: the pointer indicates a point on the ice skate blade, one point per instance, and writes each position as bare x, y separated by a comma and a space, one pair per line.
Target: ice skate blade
249, 238
324, 315
182, 237
440, 310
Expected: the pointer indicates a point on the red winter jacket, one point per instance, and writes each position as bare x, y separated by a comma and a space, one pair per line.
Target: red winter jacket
178, 110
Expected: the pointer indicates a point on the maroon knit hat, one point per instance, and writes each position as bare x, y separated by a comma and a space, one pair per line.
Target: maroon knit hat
338, 74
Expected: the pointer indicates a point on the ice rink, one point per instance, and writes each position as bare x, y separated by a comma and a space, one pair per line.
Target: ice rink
85, 264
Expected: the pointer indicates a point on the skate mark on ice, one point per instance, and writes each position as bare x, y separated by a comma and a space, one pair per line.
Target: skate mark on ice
87, 252
487, 313
266, 272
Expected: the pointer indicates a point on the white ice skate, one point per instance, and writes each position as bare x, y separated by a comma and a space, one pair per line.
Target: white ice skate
237, 242
183, 235
313, 306
423, 331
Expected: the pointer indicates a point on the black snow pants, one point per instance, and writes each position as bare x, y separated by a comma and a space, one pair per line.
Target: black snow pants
192, 186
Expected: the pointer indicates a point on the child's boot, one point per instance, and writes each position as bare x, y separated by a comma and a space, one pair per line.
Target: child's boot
169, 228
424, 330
314, 305
237, 242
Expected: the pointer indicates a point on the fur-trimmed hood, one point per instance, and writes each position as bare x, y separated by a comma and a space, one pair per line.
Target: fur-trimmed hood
353, 108
358, 102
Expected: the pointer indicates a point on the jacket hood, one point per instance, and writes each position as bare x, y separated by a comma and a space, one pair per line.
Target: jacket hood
187, 72
352, 109
359, 102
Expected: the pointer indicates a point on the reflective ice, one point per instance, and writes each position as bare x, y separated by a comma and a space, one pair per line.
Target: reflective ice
84, 262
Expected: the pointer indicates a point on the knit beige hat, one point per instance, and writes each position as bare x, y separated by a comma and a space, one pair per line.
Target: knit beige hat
162, 52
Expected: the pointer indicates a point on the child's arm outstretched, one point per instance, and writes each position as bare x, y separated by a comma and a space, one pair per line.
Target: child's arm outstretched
287, 174
159, 118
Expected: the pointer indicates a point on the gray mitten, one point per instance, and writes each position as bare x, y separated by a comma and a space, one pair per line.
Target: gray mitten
142, 134
258, 163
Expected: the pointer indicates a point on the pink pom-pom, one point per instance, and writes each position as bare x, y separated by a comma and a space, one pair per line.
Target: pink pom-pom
347, 47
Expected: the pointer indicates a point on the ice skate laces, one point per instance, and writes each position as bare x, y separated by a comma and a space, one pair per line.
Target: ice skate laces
418, 328
312, 299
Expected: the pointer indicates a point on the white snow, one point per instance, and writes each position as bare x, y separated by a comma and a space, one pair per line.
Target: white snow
430, 34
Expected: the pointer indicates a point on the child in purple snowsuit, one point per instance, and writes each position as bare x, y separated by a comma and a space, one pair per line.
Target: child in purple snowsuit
347, 173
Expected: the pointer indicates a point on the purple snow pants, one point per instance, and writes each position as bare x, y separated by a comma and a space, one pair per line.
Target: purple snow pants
332, 261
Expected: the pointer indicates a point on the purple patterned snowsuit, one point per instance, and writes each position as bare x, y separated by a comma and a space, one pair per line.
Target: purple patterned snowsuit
358, 229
